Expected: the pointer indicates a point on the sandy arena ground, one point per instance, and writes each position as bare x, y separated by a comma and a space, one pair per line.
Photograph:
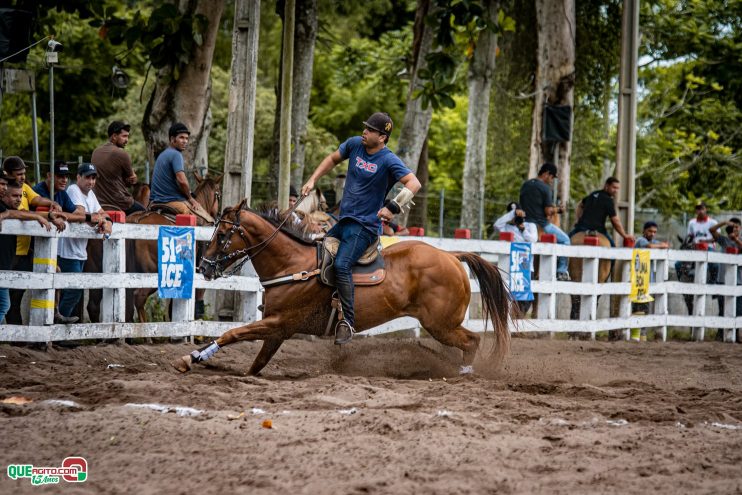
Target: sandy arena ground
382, 415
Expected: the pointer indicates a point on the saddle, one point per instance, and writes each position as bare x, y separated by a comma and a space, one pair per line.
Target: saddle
167, 211
369, 270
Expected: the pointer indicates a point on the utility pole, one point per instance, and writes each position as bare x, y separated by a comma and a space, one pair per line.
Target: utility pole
626, 146
284, 168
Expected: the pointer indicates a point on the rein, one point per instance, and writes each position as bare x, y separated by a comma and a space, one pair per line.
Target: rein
244, 253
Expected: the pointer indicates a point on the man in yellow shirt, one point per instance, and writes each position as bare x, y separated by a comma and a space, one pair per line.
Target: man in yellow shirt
15, 169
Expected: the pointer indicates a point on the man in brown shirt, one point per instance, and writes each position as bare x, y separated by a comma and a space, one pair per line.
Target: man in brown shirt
114, 171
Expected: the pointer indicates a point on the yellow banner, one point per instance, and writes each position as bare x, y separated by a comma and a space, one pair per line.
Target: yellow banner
640, 272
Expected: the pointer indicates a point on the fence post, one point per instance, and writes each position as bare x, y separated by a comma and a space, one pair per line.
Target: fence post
660, 298
248, 311
624, 303
113, 303
42, 300
589, 303
730, 306
547, 273
184, 309
699, 300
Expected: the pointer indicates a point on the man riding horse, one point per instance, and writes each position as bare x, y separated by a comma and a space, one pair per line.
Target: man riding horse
372, 171
596, 207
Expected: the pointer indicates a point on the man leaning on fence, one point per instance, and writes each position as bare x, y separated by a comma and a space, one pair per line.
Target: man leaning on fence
732, 228
72, 252
15, 169
11, 193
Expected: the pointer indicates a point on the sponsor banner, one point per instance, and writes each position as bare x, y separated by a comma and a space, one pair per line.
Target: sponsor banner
176, 248
520, 271
72, 470
640, 274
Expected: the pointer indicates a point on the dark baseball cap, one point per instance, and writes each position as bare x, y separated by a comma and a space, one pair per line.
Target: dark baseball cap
3, 176
178, 128
61, 168
87, 169
13, 163
380, 122
117, 126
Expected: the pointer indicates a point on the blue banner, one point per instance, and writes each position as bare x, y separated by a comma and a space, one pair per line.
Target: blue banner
520, 271
176, 251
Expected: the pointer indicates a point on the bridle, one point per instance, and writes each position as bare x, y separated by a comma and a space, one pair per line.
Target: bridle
247, 253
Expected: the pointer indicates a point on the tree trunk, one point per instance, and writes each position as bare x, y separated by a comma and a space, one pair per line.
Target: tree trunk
481, 71
416, 122
304, 39
287, 64
419, 213
555, 78
186, 99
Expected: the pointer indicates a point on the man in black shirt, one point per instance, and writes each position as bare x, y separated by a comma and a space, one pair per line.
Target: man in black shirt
596, 207
537, 202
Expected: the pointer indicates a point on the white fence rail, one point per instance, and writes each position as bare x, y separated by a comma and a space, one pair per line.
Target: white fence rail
553, 295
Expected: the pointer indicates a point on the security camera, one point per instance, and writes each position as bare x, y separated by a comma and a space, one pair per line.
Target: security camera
54, 46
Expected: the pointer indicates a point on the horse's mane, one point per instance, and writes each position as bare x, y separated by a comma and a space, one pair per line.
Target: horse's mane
270, 212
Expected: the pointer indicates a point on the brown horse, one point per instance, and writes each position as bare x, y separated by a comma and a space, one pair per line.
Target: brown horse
421, 281
575, 269
141, 255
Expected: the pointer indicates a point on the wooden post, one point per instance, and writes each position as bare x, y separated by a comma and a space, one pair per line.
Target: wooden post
42, 300
113, 304
699, 300
660, 297
590, 273
730, 306
547, 273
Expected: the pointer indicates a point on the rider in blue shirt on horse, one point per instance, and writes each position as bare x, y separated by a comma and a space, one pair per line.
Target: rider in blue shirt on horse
372, 171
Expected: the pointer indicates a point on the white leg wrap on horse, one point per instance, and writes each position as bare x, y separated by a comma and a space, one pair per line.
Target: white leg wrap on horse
205, 353
466, 370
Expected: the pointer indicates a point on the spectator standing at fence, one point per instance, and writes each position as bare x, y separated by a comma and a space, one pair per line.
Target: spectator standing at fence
700, 226
169, 182
514, 221
732, 228
70, 211
15, 169
115, 172
594, 208
72, 253
537, 202
649, 240
11, 194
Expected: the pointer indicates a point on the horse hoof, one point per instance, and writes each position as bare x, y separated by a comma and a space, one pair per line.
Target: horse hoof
182, 364
466, 370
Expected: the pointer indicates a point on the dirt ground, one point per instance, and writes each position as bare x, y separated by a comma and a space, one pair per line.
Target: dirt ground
382, 415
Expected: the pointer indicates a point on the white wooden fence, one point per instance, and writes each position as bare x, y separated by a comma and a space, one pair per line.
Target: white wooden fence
114, 281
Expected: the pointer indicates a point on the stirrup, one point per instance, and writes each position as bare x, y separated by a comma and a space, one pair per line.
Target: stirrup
343, 333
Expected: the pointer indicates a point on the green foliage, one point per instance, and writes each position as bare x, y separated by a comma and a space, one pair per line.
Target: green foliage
689, 141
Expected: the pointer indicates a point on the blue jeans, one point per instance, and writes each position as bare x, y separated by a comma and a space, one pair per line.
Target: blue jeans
561, 238
354, 240
4, 303
69, 297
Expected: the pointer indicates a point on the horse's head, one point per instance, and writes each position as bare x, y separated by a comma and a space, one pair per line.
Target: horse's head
228, 243
314, 202
208, 192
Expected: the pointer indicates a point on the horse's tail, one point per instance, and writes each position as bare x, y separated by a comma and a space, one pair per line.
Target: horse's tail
495, 300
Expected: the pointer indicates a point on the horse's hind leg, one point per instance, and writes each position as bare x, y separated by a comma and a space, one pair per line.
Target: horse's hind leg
461, 338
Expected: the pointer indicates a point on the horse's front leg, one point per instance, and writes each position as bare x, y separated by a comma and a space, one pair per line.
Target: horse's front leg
270, 331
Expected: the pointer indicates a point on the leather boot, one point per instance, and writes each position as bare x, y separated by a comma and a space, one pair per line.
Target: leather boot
343, 333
